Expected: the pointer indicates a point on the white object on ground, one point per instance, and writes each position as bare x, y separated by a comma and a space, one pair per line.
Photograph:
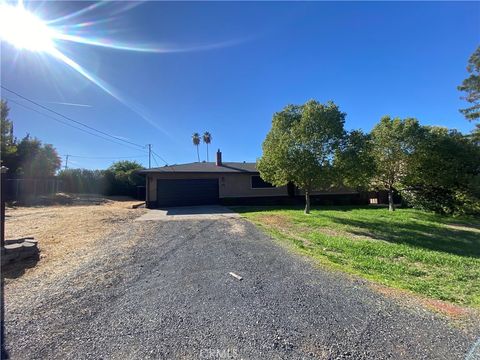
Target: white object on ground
236, 276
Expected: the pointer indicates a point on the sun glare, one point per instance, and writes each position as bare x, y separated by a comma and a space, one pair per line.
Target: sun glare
24, 30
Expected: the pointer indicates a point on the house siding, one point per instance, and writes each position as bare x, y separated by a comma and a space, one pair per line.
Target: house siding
240, 185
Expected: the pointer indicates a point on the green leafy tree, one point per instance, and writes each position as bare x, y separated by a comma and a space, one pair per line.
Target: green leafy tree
393, 142
122, 178
300, 146
83, 181
207, 139
124, 166
27, 157
475, 135
36, 159
444, 173
196, 143
8, 146
471, 86
6, 125
354, 161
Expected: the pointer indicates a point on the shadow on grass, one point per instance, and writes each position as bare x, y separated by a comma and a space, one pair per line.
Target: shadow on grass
262, 208
428, 236
247, 209
432, 234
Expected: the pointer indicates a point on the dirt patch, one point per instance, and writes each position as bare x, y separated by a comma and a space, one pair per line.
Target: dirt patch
462, 315
445, 308
236, 227
344, 233
279, 221
284, 225
65, 233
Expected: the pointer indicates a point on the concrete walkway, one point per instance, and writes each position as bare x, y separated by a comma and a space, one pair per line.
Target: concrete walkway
209, 212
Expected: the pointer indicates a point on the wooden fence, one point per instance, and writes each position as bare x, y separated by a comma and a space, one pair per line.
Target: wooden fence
17, 189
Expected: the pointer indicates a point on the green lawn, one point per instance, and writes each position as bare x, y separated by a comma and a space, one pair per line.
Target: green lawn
428, 254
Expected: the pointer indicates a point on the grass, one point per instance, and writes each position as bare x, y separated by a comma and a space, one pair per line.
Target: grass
429, 254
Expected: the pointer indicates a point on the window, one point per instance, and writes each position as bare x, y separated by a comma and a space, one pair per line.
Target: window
258, 183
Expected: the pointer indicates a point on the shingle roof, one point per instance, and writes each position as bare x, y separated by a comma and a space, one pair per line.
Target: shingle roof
205, 167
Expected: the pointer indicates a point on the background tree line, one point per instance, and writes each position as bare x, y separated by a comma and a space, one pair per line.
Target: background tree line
432, 167
30, 158
27, 157
119, 179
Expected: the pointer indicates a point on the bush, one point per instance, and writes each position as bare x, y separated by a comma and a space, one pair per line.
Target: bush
119, 179
83, 181
122, 178
443, 201
443, 174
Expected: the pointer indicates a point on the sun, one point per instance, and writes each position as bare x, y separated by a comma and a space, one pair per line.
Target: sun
24, 30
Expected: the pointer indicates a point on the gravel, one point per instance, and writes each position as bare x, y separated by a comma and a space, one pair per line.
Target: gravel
162, 289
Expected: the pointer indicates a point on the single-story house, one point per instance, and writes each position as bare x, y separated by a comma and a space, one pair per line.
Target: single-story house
229, 183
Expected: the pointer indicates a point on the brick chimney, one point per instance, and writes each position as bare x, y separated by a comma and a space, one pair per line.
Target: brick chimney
219, 158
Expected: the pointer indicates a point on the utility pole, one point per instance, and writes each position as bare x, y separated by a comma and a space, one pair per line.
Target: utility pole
149, 155
66, 161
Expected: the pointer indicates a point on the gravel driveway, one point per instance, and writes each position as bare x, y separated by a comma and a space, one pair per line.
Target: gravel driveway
162, 289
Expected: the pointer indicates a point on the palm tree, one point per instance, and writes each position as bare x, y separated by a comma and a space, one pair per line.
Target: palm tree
207, 139
196, 142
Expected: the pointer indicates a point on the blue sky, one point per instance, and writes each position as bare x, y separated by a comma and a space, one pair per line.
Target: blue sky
248, 61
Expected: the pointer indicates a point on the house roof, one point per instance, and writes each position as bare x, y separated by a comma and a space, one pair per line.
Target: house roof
205, 167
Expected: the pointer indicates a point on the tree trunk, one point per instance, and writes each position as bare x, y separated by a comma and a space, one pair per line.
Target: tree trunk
198, 155
207, 152
391, 205
307, 202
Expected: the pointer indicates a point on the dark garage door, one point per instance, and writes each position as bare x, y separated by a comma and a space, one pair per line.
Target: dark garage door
186, 192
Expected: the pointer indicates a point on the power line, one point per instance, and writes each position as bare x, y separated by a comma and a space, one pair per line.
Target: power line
70, 119
107, 157
68, 124
110, 137
166, 163
154, 159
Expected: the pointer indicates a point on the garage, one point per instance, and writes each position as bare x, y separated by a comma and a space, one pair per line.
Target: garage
187, 192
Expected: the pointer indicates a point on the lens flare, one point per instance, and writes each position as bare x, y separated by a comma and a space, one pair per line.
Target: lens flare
25, 31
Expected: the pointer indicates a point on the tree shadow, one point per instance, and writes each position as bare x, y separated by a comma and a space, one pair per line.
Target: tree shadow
241, 209
258, 208
438, 238
459, 236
